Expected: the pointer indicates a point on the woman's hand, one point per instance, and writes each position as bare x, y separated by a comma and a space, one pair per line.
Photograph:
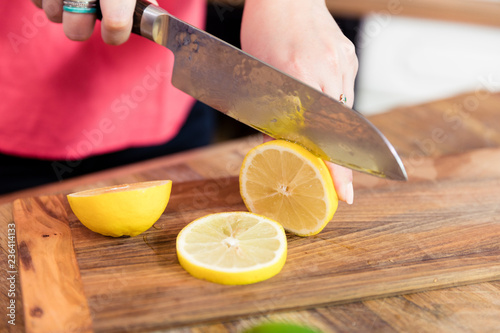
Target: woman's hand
116, 20
302, 39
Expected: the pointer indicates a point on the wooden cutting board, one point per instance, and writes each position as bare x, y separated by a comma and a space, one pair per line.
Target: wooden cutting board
440, 229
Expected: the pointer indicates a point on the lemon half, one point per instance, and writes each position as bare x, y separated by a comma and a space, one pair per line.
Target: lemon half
123, 210
287, 183
232, 248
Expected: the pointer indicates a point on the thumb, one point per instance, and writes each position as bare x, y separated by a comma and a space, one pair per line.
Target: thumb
342, 180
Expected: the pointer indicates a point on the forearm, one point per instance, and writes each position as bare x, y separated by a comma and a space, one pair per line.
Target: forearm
280, 4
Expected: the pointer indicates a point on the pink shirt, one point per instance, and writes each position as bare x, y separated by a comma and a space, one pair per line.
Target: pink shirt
61, 99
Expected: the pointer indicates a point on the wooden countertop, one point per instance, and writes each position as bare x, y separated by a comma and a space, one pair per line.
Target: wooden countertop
483, 12
462, 124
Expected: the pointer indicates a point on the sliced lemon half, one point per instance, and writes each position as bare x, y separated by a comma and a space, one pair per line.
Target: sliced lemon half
287, 183
232, 248
123, 210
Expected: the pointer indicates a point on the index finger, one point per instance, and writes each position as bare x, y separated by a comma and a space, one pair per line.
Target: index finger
116, 20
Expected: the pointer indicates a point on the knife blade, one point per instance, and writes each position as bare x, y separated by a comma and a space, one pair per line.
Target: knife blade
267, 99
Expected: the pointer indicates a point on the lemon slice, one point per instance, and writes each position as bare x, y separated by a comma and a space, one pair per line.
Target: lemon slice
124, 210
287, 183
232, 248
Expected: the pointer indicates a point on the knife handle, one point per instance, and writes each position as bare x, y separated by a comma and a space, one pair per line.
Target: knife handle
140, 6
143, 21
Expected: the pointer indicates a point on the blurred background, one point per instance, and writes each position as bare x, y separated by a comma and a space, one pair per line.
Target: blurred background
410, 52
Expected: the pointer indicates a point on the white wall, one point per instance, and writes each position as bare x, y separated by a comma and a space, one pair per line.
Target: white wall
408, 61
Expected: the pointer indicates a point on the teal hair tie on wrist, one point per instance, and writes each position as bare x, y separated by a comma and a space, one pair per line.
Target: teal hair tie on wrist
79, 10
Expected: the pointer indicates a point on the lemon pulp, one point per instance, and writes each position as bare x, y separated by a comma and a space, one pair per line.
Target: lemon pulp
232, 248
289, 184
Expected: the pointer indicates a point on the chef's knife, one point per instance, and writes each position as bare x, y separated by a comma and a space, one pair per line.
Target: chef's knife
259, 95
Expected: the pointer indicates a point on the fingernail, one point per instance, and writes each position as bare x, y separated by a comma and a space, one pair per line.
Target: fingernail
349, 194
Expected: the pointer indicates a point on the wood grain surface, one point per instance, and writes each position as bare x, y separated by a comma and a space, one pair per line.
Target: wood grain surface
50, 277
482, 12
447, 130
440, 230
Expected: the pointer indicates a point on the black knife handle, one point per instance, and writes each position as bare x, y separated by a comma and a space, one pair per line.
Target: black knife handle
140, 6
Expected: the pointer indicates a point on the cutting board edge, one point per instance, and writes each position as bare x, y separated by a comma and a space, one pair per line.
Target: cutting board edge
189, 322
26, 264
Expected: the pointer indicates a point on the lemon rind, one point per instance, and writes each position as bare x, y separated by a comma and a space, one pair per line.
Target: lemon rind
317, 164
232, 276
